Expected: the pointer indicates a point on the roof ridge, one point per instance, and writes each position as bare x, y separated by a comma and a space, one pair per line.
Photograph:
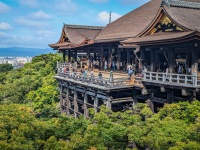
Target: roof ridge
82, 26
185, 4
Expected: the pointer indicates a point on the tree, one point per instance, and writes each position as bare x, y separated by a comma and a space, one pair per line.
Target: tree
5, 67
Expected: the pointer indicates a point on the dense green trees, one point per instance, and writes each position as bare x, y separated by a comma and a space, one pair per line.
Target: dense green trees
20, 129
5, 67
30, 118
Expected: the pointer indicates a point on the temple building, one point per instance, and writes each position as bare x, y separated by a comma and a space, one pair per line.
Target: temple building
159, 41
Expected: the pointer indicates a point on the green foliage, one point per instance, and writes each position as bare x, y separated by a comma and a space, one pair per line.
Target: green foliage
20, 129
30, 118
33, 85
5, 67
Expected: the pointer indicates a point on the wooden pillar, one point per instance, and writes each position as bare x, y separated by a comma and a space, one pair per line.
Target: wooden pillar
151, 102
75, 55
109, 103
61, 98
193, 96
134, 60
141, 58
171, 60
88, 55
69, 55
64, 55
194, 61
170, 96
68, 103
153, 61
101, 60
86, 112
96, 101
109, 57
118, 58
157, 60
95, 56
128, 57
75, 102
134, 98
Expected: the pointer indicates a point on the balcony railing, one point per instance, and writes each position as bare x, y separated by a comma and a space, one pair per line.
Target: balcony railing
172, 79
91, 79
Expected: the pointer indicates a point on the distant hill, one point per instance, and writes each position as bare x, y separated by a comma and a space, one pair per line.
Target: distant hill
22, 51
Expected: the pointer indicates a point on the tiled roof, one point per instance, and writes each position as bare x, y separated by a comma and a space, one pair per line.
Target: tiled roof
186, 17
158, 37
77, 34
182, 3
83, 27
132, 23
184, 12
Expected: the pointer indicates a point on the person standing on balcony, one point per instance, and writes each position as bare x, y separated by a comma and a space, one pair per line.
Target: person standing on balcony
92, 73
100, 75
105, 65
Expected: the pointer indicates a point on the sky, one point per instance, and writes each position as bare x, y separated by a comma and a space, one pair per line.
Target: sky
37, 23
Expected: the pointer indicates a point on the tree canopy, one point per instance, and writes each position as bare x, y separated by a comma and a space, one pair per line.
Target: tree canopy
30, 118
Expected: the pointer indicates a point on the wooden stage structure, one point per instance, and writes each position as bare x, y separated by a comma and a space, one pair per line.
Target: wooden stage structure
160, 41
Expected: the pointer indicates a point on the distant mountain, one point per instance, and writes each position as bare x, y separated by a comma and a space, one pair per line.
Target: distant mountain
22, 51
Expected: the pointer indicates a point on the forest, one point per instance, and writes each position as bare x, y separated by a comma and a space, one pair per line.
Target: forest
30, 118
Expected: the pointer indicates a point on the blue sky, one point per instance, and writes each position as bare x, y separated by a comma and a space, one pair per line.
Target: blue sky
37, 23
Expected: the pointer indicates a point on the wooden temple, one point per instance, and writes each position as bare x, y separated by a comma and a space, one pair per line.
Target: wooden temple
161, 42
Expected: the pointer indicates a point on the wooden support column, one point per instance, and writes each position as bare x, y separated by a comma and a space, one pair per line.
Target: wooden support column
69, 55
61, 98
152, 103
109, 57
128, 56
86, 112
96, 101
68, 103
134, 98
170, 96
194, 61
101, 60
134, 60
118, 58
153, 60
193, 96
157, 60
95, 56
109, 103
75, 55
171, 60
141, 58
64, 55
75, 102
88, 55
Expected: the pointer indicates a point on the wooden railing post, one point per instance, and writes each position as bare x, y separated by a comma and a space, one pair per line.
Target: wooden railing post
194, 79
178, 78
145, 73
150, 76
111, 79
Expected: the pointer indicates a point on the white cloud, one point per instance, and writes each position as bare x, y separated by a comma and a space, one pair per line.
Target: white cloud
4, 8
66, 7
5, 36
4, 26
29, 3
45, 33
99, 1
103, 17
131, 2
40, 15
28, 22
